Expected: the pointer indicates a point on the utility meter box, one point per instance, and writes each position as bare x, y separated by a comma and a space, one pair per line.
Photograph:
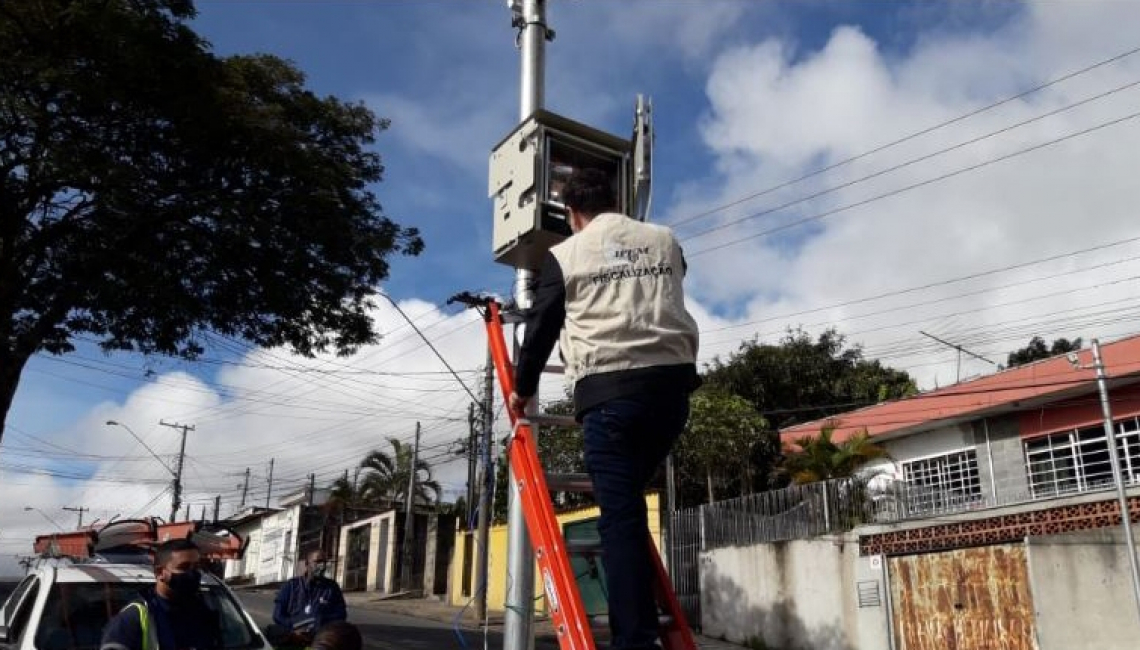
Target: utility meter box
532, 164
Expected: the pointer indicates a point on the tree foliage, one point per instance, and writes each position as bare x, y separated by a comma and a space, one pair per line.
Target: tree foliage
1037, 349
386, 476
151, 191
726, 447
801, 379
819, 458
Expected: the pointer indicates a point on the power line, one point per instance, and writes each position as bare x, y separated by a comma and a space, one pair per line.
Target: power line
908, 163
912, 136
930, 181
954, 280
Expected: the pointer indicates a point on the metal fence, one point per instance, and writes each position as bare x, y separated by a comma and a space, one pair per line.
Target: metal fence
684, 547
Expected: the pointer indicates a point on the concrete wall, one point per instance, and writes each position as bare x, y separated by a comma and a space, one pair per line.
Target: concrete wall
799, 594
1082, 592
931, 443
1001, 459
277, 559
381, 559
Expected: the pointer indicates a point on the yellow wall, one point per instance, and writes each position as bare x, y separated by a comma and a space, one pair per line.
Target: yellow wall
497, 563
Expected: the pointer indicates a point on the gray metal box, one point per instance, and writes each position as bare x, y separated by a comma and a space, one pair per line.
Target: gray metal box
527, 171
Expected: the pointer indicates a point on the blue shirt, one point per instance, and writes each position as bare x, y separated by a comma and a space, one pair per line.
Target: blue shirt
300, 599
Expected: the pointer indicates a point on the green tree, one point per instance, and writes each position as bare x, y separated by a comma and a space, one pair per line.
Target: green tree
386, 476
801, 379
152, 191
819, 458
726, 444
1037, 349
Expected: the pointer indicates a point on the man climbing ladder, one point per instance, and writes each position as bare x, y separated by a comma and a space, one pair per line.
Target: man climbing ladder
613, 294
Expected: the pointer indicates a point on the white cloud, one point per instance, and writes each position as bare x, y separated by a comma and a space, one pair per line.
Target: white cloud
773, 117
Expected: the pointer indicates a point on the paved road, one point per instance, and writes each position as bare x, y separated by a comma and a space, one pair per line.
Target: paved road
386, 631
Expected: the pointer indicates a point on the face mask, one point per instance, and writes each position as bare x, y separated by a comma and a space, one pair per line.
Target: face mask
184, 585
319, 570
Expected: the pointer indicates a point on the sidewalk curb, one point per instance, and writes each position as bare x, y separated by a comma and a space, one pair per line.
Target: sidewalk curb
443, 612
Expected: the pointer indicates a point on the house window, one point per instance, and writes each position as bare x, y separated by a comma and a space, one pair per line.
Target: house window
1078, 460
942, 483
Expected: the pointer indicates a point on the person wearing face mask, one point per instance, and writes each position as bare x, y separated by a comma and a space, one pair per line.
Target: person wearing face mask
306, 603
171, 615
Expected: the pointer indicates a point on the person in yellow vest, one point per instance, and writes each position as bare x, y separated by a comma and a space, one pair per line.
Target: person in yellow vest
612, 297
170, 615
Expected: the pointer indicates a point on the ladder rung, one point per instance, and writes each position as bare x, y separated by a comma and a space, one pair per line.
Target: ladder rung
555, 370
550, 420
569, 483
584, 547
603, 620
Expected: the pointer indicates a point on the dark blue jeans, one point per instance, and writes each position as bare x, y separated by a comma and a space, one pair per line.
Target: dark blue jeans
626, 439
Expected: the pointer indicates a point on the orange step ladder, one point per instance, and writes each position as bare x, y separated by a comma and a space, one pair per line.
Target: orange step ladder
568, 615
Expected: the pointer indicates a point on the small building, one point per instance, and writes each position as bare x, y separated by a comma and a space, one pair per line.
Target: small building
279, 538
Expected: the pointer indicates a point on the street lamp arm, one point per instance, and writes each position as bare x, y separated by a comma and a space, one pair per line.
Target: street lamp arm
42, 514
115, 423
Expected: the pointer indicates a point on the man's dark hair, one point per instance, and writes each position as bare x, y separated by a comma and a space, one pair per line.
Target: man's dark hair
589, 191
168, 548
338, 635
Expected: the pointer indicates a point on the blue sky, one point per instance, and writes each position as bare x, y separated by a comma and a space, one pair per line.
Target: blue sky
747, 96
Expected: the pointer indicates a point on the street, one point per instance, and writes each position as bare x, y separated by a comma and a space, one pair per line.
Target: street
387, 631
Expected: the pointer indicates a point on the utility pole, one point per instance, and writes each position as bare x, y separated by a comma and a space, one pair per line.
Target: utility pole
176, 498
244, 489
472, 446
217, 507
529, 17
80, 510
269, 481
409, 517
312, 487
486, 488
1117, 479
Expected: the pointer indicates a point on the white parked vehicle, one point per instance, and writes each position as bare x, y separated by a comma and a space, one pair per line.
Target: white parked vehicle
65, 602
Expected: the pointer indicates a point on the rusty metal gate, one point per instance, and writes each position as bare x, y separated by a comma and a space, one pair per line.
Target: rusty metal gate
966, 599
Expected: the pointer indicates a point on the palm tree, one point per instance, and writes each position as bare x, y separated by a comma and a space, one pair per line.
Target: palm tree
386, 475
821, 459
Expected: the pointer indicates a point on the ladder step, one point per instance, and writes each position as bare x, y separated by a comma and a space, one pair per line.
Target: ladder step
551, 420
555, 370
602, 621
569, 483
584, 547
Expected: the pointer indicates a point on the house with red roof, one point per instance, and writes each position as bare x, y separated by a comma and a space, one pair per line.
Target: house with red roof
1027, 433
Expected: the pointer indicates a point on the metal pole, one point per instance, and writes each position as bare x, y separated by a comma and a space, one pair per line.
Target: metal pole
245, 488
518, 634
80, 510
176, 497
409, 517
486, 490
269, 483
1117, 479
472, 459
